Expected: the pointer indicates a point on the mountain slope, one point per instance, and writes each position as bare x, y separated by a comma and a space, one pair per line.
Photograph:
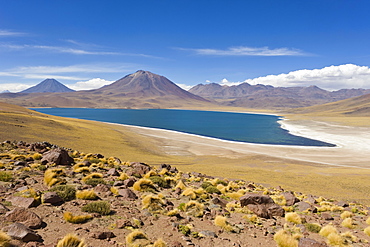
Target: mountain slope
357, 106
48, 86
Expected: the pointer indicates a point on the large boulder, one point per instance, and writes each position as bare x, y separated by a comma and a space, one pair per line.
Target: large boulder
58, 156
24, 216
138, 169
22, 232
52, 197
23, 202
290, 198
127, 194
262, 205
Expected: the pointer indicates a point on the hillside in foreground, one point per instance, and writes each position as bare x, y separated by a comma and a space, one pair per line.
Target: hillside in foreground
49, 192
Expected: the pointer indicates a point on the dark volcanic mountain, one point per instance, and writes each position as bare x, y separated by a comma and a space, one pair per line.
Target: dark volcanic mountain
48, 86
262, 96
146, 84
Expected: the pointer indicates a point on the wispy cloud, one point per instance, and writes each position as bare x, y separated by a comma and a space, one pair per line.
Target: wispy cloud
247, 51
89, 84
71, 50
330, 78
5, 33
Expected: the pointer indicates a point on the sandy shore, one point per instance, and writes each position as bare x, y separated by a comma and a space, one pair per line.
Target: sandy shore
352, 150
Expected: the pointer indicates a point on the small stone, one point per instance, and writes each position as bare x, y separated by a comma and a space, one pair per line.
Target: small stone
23, 202
53, 198
103, 235
127, 194
208, 234
307, 242
113, 172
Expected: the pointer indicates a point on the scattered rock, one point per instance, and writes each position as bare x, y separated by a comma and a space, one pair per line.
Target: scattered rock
24, 216
303, 206
262, 205
127, 194
3, 209
58, 156
22, 232
23, 202
326, 216
101, 188
129, 182
290, 198
307, 242
103, 235
208, 234
219, 201
52, 197
113, 172
120, 224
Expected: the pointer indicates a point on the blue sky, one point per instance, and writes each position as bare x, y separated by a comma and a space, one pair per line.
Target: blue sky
85, 44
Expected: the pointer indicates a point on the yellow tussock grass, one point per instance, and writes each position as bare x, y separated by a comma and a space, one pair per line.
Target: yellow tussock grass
335, 239
190, 193
137, 239
76, 219
293, 217
123, 176
92, 175
86, 195
180, 185
143, 185
368, 221
346, 214
154, 203
71, 240
348, 222
328, 229
52, 176
150, 174
159, 243
163, 172
194, 208
222, 222
367, 231
4, 239
284, 239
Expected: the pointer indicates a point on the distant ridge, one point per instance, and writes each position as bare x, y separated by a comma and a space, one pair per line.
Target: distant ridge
48, 86
5, 91
269, 97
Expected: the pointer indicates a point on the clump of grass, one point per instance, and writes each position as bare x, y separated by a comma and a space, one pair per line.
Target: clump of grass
184, 229
180, 185
4, 239
76, 219
284, 239
53, 176
293, 217
313, 227
368, 221
279, 199
100, 207
123, 176
367, 231
66, 192
206, 184
222, 222
349, 238
71, 240
194, 208
144, 185
6, 176
37, 156
236, 195
86, 195
252, 218
150, 174
190, 193
327, 230
154, 203
159, 243
348, 222
335, 239
92, 175
137, 239
346, 214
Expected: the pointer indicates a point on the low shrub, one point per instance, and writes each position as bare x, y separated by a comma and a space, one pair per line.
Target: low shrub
348, 222
154, 203
194, 208
37, 156
335, 239
6, 176
159, 243
78, 219
71, 240
184, 229
346, 214
212, 190
326, 230
313, 227
66, 192
95, 181
161, 182
144, 185
100, 207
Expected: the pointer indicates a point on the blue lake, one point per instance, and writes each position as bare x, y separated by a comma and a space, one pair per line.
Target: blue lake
241, 127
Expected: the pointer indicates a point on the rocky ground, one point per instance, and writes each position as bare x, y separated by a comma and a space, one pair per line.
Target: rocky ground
48, 192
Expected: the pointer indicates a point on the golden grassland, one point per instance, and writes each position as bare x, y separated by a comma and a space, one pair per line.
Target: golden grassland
18, 123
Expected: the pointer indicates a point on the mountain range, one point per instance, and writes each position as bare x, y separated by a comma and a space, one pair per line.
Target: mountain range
266, 96
144, 89
141, 89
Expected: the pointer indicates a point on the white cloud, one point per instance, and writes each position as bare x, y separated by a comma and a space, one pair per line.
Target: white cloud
329, 78
248, 51
90, 84
13, 87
